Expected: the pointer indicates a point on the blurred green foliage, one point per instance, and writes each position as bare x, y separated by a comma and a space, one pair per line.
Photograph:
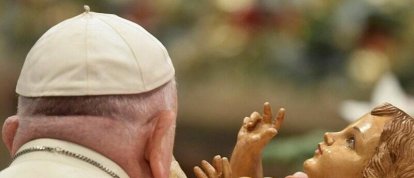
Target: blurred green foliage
305, 55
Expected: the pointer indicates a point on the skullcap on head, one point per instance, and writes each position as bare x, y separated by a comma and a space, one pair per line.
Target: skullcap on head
94, 54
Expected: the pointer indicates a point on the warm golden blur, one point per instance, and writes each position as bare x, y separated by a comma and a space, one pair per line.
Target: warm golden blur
307, 56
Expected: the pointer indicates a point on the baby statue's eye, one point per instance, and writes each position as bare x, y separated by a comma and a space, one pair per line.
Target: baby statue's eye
350, 143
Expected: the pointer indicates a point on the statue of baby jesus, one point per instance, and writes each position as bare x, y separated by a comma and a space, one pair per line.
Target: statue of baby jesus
379, 144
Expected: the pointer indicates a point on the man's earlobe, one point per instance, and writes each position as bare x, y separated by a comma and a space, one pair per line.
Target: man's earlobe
160, 146
9, 131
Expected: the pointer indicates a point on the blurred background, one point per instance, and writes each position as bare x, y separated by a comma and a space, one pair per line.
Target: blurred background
325, 61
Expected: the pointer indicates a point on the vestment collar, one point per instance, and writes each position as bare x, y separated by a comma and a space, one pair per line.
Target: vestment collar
72, 147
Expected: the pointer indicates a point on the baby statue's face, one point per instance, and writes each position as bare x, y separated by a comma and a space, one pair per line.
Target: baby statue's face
344, 154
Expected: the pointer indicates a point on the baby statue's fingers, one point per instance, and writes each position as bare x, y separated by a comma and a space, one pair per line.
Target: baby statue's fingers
255, 115
268, 134
246, 121
199, 173
226, 168
255, 118
209, 169
279, 119
267, 113
218, 164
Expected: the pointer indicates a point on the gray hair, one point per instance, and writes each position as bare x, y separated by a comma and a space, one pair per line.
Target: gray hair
129, 106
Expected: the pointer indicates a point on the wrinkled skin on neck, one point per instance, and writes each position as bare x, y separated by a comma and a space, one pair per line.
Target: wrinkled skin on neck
135, 152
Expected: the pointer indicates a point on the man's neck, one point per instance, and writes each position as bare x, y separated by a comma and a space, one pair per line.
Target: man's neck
99, 134
68, 153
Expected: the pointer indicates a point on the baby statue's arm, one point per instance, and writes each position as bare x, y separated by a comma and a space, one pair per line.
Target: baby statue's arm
256, 132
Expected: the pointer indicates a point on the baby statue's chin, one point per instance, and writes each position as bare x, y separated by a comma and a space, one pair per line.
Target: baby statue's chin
309, 167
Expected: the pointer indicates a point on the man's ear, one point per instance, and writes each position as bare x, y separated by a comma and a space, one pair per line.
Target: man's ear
9, 131
160, 146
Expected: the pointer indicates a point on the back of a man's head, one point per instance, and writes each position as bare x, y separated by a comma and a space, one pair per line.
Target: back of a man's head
93, 72
130, 107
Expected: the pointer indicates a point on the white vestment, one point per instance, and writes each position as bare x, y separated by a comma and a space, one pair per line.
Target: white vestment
43, 164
